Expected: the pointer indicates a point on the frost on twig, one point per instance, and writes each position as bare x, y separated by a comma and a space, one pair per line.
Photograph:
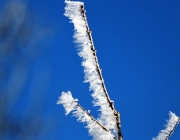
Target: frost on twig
170, 127
96, 130
109, 117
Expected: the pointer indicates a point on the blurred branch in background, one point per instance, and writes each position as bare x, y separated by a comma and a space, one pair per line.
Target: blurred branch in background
15, 34
23, 87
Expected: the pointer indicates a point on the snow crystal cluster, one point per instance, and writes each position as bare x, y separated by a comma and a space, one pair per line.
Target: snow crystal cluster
68, 102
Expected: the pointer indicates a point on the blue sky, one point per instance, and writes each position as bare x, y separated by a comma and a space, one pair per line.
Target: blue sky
138, 48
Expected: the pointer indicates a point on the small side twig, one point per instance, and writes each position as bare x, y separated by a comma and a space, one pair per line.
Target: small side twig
92, 118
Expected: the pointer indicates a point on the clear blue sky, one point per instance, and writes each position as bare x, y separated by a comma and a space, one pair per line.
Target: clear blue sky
138, 47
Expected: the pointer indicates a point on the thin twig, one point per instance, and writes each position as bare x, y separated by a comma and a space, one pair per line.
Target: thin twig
111, 104
173, 129
92, 118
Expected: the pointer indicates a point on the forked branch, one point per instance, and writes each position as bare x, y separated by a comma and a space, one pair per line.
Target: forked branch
107, 127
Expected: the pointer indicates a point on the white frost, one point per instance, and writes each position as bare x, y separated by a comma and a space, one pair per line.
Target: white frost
173, 120
72, 11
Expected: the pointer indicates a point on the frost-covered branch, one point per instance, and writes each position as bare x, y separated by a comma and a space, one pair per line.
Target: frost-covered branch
107, 126
170, 127
110, 102
109, 117
97, 130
